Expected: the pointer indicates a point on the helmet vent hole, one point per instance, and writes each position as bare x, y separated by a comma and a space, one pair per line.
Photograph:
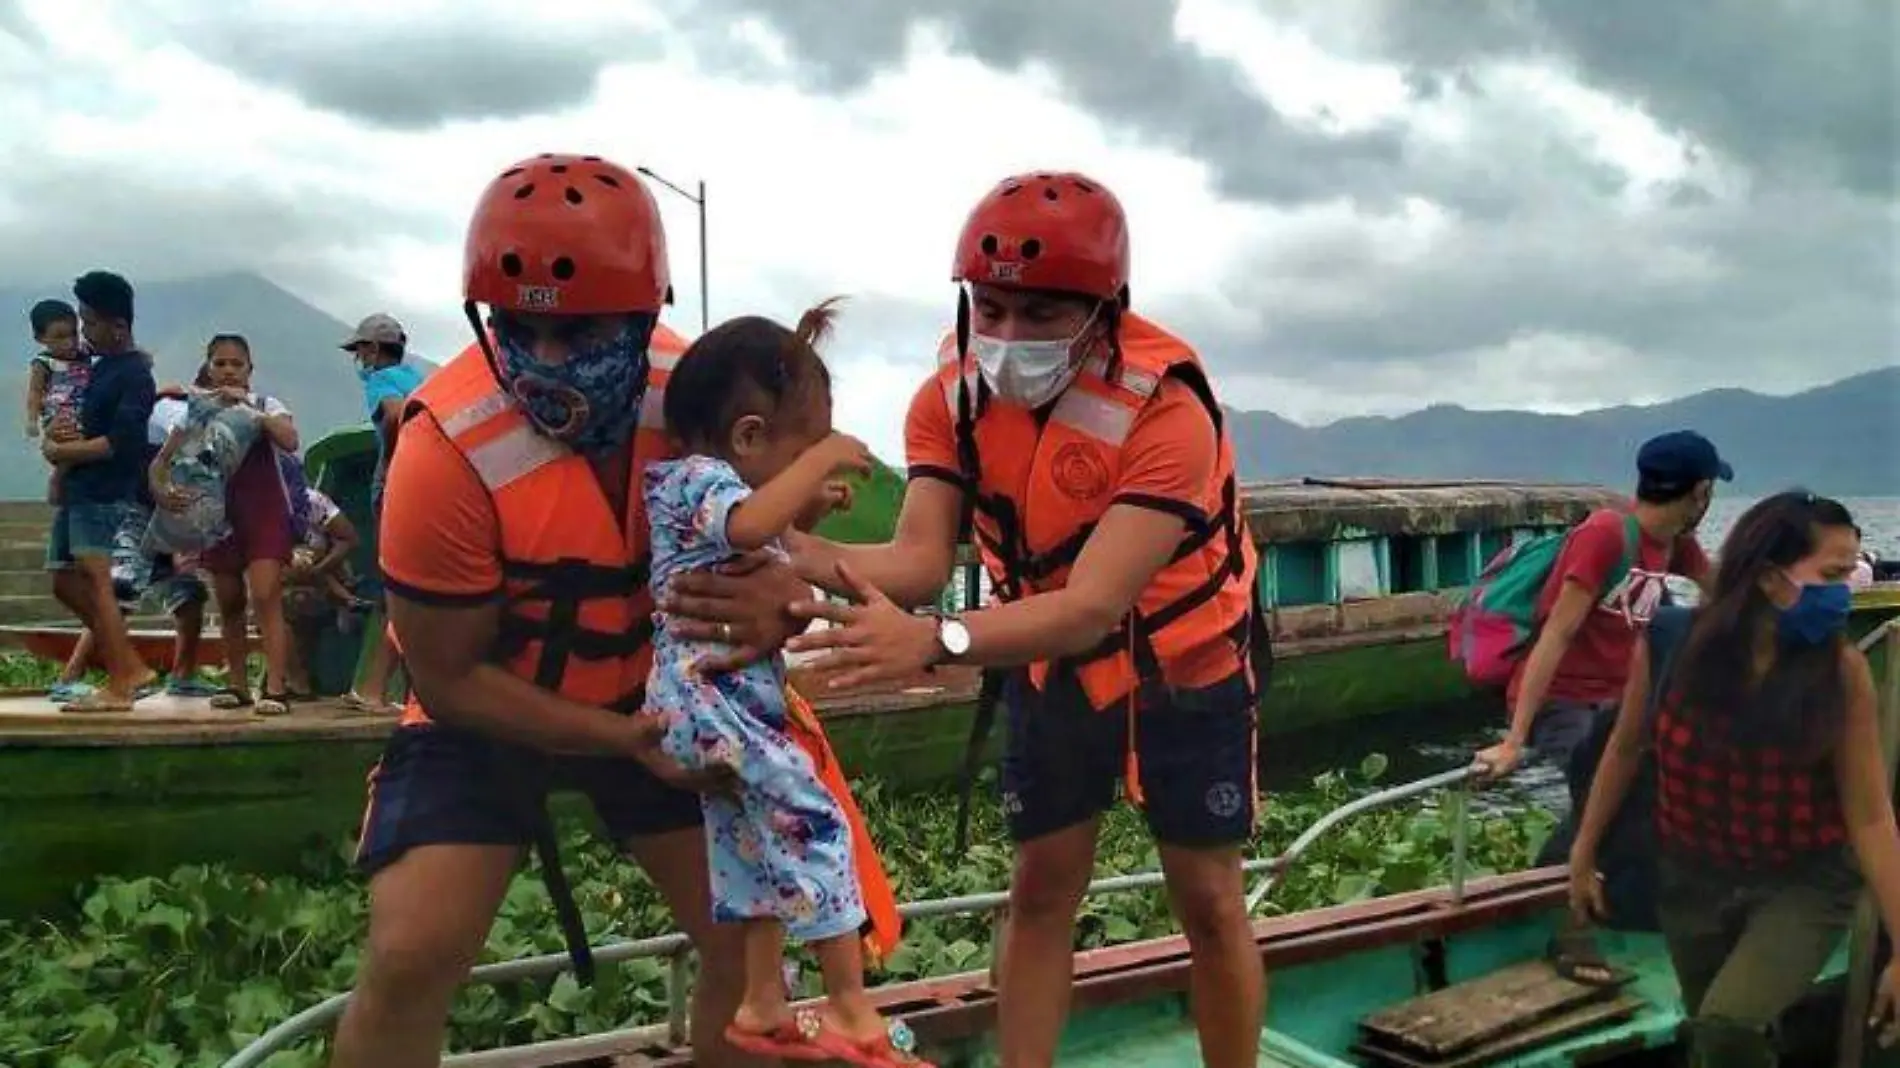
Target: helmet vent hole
1011, 190
562, 268
1082, 185
573, 195
511, 265
990, 244
1031, 249
1049, 193
590, 159
545, 155
607, 180
511, 172
525, 191
559, 168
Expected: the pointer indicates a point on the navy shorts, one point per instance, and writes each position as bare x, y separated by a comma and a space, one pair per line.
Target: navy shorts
438, 785
1065, 759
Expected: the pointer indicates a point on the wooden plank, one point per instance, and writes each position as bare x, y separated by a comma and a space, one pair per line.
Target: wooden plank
1451, 1021
1550, 1031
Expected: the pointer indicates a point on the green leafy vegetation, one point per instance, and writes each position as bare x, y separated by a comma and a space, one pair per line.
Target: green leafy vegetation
183, 970
24, 671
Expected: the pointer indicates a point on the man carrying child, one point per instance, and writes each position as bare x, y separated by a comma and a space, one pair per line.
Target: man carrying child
99, 453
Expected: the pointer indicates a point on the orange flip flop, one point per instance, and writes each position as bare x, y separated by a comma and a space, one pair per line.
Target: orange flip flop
895, 1048
789, 1041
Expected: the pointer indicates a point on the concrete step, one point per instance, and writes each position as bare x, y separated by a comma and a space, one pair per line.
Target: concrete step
31, 608
12, 530
26, 512
35, 583
23, 555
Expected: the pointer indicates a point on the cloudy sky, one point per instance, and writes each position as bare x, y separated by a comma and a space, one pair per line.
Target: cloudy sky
1349, 206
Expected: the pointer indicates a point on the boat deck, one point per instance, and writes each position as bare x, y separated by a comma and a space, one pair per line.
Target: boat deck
31, 719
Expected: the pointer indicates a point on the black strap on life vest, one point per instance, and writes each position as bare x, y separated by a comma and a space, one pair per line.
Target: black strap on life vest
564, 586
1252, 637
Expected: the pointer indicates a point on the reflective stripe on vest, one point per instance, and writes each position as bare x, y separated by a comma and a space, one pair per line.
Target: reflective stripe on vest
577, 613
1042, 488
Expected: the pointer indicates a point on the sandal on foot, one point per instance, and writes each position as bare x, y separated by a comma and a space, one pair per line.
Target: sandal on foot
895, 1048
789, 1041
64, 692
97, 701
231, 697
191, 686
272, 704
1574, 955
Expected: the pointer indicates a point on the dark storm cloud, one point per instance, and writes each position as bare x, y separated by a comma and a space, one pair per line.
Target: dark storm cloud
418, 73
1786, 87
1120, 61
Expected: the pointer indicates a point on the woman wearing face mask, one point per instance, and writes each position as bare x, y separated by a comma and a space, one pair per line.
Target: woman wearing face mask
1088, 446
1769, 779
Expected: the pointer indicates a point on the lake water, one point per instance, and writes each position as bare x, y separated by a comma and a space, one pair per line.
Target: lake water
1878, 518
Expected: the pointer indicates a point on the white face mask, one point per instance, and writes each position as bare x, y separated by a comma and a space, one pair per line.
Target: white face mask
1029, 373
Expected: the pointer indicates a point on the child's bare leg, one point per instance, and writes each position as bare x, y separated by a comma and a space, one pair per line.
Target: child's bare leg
382, 663
81, 660
338, 594
764, 1008
841, 959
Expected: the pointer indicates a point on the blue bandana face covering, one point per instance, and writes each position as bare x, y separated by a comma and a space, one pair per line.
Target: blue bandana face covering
1817, 615
592, 401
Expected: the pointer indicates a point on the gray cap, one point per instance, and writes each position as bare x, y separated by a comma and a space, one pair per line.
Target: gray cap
380, 328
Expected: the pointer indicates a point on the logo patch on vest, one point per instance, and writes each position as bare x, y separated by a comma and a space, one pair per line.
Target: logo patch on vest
1080, 472
538, 298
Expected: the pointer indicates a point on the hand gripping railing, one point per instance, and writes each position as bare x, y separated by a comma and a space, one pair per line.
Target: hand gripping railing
676, 948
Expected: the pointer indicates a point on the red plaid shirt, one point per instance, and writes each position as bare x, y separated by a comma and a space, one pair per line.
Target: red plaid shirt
1740, 806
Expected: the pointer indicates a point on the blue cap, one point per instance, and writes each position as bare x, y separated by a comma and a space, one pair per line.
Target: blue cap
1681, 458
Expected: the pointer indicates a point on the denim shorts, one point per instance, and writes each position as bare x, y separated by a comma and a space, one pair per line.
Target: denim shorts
86, 529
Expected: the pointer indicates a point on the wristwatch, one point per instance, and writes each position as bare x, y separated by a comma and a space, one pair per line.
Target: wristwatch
953, 639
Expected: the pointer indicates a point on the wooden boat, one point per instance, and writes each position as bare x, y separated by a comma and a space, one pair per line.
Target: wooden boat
1448, 977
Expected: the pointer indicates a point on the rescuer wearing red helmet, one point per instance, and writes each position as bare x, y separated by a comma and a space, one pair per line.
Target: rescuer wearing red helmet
1090, 452
515, 552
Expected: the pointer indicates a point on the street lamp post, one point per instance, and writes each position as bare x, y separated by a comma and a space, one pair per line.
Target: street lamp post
705, 302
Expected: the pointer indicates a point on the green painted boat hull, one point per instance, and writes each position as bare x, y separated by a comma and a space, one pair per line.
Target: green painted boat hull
75, 813
922, 747
1314, 1009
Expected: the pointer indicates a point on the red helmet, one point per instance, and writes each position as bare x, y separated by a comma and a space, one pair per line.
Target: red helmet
569, 235
1060, 231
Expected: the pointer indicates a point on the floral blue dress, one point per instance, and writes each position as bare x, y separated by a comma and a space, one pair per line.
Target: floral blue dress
781, 848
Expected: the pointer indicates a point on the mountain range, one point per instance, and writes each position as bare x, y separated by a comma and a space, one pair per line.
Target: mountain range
1842, 438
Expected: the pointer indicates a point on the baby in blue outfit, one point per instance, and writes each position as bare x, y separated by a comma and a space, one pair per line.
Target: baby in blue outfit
750, 402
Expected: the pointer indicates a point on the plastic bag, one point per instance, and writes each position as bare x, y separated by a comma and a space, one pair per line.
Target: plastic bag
218, 435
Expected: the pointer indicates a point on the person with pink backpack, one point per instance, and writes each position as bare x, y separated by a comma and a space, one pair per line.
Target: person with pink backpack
1555, 620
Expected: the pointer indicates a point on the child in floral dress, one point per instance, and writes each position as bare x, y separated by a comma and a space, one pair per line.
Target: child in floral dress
751, 404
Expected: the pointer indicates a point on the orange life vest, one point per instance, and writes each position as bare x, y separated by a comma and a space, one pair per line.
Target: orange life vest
1041, 485
577, 615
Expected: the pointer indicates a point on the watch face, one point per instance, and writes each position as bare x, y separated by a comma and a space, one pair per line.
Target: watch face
955, 637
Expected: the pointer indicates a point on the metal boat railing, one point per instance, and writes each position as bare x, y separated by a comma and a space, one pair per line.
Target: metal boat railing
676, 949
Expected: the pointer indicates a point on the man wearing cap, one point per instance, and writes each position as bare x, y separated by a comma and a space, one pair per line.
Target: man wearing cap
378, 345
1601, 592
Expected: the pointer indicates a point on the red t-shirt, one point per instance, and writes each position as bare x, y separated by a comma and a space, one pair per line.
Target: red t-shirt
1597, 662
